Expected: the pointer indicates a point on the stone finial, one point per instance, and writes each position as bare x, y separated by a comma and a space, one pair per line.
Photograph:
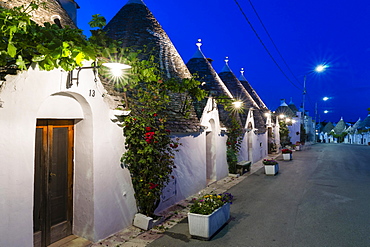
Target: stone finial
226, 60
242, 71
199, 44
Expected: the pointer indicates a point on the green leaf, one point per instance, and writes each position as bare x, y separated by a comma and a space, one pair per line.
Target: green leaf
79, 58
12, 50
20, 63
38, 58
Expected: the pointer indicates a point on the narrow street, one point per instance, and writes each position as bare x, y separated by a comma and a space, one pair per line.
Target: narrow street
320, 198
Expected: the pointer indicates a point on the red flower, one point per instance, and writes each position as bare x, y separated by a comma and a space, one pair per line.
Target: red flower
155, 114
148, 128
169, 131
228, 143
152, 186
134, 119
174, 145
173, 177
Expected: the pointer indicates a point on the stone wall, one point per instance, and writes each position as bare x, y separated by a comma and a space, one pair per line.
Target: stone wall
45, 13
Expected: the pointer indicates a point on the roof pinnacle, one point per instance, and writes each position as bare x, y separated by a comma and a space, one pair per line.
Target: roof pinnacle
199, 44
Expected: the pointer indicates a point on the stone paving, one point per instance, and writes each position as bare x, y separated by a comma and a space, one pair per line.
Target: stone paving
135, 237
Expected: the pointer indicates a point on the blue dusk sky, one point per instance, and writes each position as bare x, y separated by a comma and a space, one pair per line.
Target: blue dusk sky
306, 33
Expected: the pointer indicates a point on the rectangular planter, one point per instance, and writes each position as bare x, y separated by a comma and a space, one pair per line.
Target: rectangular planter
271, 170
287, 156
143, 222
205, 226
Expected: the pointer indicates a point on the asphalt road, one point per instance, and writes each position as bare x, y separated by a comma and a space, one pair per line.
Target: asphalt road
320, 198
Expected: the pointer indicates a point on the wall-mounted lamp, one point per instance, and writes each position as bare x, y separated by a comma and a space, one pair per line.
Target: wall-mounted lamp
237, 104
116, 69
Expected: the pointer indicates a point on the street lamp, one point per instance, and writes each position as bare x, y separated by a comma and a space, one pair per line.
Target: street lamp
115, 68
318, 115
320, 68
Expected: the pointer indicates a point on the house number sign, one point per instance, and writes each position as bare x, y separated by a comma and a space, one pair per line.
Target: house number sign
92, 93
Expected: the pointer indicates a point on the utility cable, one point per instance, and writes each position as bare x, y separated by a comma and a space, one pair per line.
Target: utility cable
272, 41
264, 46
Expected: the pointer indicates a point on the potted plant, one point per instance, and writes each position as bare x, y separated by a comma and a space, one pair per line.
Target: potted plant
298, 146
287, 154
271, 167
208, 214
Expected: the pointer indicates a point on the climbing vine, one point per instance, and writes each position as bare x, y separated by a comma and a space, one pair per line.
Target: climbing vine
25, 42
234, 133
150, 148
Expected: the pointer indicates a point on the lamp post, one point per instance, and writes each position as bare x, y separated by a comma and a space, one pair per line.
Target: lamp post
318, 115
320, 68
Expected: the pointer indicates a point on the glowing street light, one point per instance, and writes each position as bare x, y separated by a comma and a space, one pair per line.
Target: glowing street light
320, 68
116, 68
325, 98
326, 111
237, 104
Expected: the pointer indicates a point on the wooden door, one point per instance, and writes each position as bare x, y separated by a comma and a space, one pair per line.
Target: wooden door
53, 181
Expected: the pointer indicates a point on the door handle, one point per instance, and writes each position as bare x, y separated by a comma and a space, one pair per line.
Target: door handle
51, 175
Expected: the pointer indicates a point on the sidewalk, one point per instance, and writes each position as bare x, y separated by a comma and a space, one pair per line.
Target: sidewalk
135, 237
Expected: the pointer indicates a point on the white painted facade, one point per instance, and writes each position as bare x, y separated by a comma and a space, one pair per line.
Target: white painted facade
200, 161
295, 129
254, 146
103, 198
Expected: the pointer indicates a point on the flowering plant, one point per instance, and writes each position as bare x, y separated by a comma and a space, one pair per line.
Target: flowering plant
269, 162
286, 151
207, 204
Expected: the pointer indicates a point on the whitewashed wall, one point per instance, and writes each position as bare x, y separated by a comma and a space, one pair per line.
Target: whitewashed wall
103, 195
295, 130
191, 168
254, 146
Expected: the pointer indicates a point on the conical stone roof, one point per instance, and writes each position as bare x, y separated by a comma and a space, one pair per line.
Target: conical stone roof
293, 107
357, 124
284, 109
340, 127
239, 92
365, 124
328, 127
212, 83
47, 13
250, 90
135, 26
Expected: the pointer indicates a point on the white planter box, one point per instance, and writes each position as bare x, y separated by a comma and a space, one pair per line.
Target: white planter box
205, 226
287, 156
271, 170
143, 222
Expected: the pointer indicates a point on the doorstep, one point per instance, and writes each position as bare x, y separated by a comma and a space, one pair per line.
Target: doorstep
72, 241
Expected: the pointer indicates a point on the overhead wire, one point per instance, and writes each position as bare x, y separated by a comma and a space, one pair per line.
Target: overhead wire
264, 46
272, 41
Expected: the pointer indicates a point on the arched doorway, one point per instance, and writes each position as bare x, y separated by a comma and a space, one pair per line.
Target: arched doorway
210, 153
54, 176
250, 142
53, 186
